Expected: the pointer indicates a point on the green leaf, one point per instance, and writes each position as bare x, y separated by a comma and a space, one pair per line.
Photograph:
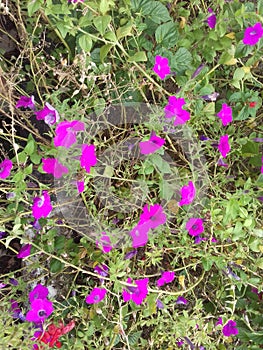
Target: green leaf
138, 57
56, 265
250, 149
124, 31
160, 163
166, 190
153, 10
167, 34
28, 170
134, 337
239, 74
105, 6
104, 50
111, 36
85, 42
181, 60
101, 23
30, 147
207, 263
33, 6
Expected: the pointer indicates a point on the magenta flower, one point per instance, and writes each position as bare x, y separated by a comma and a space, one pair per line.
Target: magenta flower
104, 243
136, 294
96, 295
80, 186
187, 193
174, 109
52, 166
49, 114
225, 114
88, 157
139, 235
41, 206
40, 310
75, 1
222, 163
101, 270
27, 102
181, 300
230, 329
152, 145
219, 321
224, 146
167, 277
5, 168
153, 215
66, 133
253, 34
195, 226
161, 67
24, 251
211, 20
39, 292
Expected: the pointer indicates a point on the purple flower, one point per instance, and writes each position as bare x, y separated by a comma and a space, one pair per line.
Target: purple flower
66, 133
211, 97
2, 234
5, 168
161, 67
139, 235
36, 225
159, 304
224, 146
40, 310
152, 145
39, 292
211, 20
222, 163
41, 206
75, 1
139, 293
195, 226
258, 139
2, 285
179, 343
262, 165
181, 300
219, 321
96, 295
230, 329
101, 270
104, 243
197, 71
27, 102
225, 114
253, 34
187, 193
24, 251
199, 239
52, 166
153, 215
174, 109
88, 157
167, 277
49, 114
80, 186
130, 254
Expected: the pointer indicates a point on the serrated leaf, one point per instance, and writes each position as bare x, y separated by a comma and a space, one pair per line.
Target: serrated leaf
167, 35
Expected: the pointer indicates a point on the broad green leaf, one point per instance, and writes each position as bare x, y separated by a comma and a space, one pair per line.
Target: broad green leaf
181, 60
105, 6
167, 34
101, 23
33, 6
153, 10
250, 148
85, 42
56, 265
104, 50
239, 74
30, 147
138, 57
111, 36
124, 31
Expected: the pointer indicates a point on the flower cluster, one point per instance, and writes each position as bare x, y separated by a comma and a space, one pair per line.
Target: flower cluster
41, 307
136, 294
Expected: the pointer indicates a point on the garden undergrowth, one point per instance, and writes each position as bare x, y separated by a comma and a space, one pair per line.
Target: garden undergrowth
131, 174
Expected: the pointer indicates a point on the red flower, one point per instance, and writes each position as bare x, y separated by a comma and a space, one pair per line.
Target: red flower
53, 333
252, 104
